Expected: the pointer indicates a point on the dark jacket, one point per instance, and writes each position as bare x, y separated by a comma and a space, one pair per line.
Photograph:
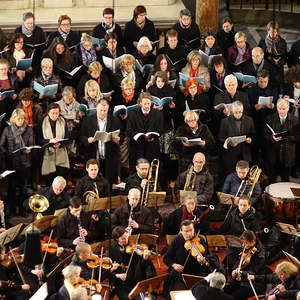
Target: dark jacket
141, 214
294, 54
37, 37
132, 33
225, 40
99, 32
202, 291
73, 38
20, 159
139, 81
86, 183
283, 151
204, 185
85, 270
63, 293
112, 149
232, 184
232, 54
233, 222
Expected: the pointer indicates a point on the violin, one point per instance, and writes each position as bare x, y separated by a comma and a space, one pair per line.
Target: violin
196, 248
139, 249
8, 283
8, 259
246, 256
93, 261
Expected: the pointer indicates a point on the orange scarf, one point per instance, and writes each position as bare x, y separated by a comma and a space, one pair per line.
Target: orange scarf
28, 115
129, 97
193, 73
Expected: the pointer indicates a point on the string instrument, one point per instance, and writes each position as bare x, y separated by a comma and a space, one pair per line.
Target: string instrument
8, 259
88, 283
139, 249
52, 247
8, 283
93, 261
196, 248
246, 256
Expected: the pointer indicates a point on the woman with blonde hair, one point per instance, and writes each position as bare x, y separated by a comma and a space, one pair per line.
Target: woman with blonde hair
127, 69
194, 68
86, 52
92, 94
95, 71
15, 137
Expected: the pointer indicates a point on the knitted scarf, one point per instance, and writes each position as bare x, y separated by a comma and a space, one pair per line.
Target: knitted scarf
107, 28
240, 57
27, 32
28, 114
129, 97
63, 34
272, 44
186, 215
88, 56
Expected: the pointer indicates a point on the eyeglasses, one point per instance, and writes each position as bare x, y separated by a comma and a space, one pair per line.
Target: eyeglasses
191, 121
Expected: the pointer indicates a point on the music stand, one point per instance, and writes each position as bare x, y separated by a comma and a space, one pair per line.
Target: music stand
191, 280
105, 203
10, 234
149, 239
223, 241
154, 283
96, 247
60, 266
226, 199
156, 199
59, 212
41, 224
292, 259
287, 228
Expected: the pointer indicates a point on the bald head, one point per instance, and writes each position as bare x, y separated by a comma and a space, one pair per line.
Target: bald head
134, 196
199, 161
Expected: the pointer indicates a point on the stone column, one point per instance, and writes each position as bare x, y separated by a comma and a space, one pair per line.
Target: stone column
207, 12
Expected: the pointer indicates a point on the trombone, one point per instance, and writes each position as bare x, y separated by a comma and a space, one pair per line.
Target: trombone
151, 185
252, 179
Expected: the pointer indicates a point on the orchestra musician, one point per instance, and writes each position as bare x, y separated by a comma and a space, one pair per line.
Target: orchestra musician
180, 260
11, 290
234, 180
286, 279
250, 261
188, 211
93, 181
211, 288
201, 180
74, 226
132, 215
71, 275
139, 268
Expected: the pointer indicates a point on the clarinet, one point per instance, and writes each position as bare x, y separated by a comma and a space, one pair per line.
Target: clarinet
2, 218
129, 220
82, 237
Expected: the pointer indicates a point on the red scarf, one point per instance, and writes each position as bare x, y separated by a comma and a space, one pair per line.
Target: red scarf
186, 215
193, 73
129, 97
28, 115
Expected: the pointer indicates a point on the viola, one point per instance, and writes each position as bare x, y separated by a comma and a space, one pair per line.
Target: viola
246, 256
93, 261
139, 249
196, 248
51, 247
8, 259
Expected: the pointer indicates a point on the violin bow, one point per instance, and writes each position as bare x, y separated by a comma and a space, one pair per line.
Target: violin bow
47, 247
17, 265
253, 289
241, 260
130, 260
100, 265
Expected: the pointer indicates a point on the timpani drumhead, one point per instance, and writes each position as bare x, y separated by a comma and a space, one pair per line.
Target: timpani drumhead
282, 190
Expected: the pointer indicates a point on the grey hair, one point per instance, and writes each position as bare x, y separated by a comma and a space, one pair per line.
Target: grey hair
283, 100
68, 91
237, 104
79, 294
134, 191
144, 40
70, 271
59, 180
185, 12
218, 281
28, 15
46, 62
230, 78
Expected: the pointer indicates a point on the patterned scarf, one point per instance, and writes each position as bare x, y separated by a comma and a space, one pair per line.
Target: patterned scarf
88, 56
92, 103
28, 114
240, 57
107, 28
129, 97
186, 215
63, 34
27, 32
272, 44
17, 134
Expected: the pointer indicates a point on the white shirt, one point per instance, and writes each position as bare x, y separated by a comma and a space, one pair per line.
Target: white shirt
101, 145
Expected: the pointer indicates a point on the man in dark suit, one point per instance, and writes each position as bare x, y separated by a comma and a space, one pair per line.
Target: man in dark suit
108, 153
141, 121
211, 288
236, 125
281, 148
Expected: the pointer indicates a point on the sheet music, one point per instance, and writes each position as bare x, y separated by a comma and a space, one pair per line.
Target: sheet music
183, 295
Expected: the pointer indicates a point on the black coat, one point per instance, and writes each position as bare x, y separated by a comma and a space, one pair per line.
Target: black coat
141, 214
283, 151
132, 33
112, 149
185, 35
202, 291
99, 32
86, 183
243, 150
294, 54
72, 39
225, 40
233, 222
139, 81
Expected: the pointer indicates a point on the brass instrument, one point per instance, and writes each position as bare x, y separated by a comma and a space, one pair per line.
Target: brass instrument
91, 195
252, 179
38, 203
190, 179
151, 185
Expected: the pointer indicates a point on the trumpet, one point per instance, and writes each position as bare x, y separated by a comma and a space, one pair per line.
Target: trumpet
151, 185
252, 179
190, 179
